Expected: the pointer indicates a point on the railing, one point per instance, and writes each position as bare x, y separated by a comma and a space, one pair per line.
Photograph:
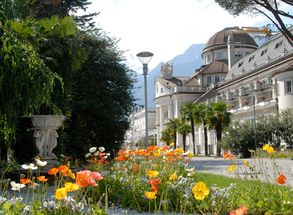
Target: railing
187, 89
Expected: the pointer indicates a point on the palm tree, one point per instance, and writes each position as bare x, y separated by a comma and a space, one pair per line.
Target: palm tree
167, 136
173, 125
184, 129
218, 118
187, 114
199, 115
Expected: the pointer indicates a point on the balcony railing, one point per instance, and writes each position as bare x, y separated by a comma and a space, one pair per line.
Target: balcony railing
188, 89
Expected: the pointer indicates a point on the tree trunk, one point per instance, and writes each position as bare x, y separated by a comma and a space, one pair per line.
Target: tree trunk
184, 141
3, 151
175, 139
192, 134
205, 139
219, 137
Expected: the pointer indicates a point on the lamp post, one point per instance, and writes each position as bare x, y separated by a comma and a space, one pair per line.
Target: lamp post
145, 58
254, 122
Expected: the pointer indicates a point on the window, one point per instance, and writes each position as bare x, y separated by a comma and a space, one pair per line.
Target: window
209, 79
263, 52
240, 64
238, 54
219, 55
209, 58
251, 58
288, 86
217, 79
278, 44
162, 90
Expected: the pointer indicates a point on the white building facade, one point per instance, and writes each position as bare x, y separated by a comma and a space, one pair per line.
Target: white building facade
235, 70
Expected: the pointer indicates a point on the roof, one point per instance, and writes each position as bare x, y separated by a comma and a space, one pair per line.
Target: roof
211, 93
276, 48
172, 82
215, 67
238, 35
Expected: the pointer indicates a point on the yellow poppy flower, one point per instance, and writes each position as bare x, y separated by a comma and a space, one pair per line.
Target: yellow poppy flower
71, 174
178, 151
232, 168
61, 193
152, 173
200, 190
246, 163
173, 177
150, 195
271, 150
265, 147
71, 186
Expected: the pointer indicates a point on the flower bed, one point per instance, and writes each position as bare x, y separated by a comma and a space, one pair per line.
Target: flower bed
154, 180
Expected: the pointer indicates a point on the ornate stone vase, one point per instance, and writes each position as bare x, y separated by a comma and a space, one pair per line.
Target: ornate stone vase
45, 134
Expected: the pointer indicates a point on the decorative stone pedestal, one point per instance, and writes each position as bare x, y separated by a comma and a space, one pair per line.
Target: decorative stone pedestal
45, 133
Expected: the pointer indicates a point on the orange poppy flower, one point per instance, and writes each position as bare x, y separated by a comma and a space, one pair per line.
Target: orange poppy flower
281, 179
42, 178
228, 155
165, 148
53, 171
63, 169
85, 178
239, 211
155, 184
25, 181
135, 167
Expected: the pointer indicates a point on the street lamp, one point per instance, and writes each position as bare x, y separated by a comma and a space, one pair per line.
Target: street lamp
145, 58
254, 122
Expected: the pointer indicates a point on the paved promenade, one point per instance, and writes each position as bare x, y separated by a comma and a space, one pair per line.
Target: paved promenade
266, 169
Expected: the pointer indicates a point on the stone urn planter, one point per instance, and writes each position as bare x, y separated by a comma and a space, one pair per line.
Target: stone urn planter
45, 134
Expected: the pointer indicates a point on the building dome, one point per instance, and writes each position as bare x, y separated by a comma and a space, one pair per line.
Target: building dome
239, 36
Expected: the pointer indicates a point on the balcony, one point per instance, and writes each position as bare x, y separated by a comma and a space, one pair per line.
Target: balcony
187, 89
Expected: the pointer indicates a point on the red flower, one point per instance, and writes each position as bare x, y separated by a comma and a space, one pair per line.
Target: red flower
155, 183
281, 179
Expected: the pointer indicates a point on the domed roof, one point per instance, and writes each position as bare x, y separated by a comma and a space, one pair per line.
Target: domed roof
238, 35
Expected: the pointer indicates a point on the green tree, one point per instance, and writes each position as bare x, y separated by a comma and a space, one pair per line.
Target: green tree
187, 113
184, 129
286, 120
102, 98
45, 9
269, 8
218, 118
173, 125
239, 138
167, 136
199, 116
26, 82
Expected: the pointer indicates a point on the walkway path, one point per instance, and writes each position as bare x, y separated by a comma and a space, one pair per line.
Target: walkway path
267, 167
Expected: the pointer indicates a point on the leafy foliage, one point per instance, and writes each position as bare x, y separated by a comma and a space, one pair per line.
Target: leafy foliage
25, 80
101, 97
218, 117
241, 137
269, 8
